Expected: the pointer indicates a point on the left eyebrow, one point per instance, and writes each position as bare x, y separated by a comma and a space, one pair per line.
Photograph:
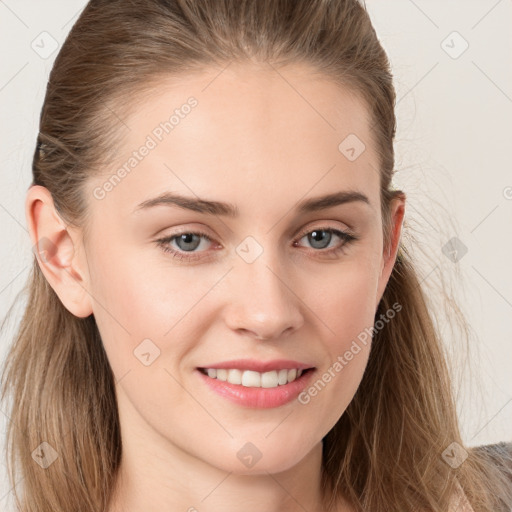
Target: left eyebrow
330, 200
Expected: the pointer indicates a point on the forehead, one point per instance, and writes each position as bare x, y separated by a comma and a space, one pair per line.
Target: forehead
246, 133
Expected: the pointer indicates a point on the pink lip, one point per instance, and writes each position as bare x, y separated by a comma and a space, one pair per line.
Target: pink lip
259, 366
258, 398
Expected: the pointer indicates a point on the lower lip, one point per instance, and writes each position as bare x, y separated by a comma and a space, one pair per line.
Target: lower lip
258, 398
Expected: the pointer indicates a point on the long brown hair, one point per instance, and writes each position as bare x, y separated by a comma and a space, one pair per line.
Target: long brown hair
386, 451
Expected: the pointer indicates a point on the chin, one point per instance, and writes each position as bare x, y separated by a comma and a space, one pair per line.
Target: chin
254, 459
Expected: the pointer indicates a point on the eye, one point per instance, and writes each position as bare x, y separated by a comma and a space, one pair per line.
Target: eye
186, 242
321, 238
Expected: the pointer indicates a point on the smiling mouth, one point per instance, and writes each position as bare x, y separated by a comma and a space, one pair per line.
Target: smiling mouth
253, 379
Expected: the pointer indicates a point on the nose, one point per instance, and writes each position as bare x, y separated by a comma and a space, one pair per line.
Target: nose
262, 303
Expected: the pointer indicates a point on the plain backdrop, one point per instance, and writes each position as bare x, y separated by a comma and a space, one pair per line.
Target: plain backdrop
451, 62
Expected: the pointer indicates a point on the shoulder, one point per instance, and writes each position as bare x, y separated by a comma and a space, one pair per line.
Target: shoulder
502, 450
500, 455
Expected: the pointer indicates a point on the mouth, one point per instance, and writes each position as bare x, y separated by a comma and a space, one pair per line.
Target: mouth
256, 390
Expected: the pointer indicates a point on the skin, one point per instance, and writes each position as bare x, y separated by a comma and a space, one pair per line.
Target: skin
257, 143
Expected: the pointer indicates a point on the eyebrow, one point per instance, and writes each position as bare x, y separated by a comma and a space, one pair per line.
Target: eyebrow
230, 210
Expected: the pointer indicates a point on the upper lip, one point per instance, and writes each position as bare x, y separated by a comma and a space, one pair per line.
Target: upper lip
259, 366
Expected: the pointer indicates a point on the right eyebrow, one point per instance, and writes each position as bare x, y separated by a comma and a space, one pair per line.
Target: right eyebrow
190, 203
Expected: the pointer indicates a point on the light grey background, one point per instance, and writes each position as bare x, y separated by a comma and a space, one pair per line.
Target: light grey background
453, 160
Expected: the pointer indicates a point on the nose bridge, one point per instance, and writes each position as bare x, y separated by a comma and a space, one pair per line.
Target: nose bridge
261, 301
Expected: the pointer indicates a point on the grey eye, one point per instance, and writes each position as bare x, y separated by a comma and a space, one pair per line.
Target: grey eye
186, 241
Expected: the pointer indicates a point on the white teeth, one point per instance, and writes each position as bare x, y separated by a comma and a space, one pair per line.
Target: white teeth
283, 377
222, 374
269, 380
252, 379
235, 377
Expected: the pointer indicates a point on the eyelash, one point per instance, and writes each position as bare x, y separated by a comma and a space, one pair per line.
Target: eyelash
191, 256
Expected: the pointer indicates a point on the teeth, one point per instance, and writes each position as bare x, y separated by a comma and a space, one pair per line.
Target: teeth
282, 377
235, 376
251, 379
222, 374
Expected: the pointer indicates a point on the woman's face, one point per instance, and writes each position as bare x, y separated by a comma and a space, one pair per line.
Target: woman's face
259, 276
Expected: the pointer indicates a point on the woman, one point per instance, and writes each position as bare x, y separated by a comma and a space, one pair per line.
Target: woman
222, 313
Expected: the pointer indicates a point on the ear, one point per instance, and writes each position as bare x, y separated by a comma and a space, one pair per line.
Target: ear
56, 252
390, 247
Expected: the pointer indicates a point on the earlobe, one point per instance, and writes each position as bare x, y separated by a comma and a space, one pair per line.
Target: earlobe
55, 249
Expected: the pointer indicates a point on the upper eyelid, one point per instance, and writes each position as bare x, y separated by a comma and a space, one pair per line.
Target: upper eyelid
308, 230
309, 227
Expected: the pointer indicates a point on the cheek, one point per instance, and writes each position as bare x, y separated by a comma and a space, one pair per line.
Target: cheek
345, 299
141, 307
346, 307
